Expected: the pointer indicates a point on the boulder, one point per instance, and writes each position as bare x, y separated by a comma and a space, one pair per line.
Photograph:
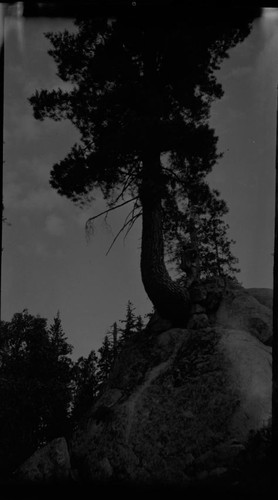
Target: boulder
180, 403
178, 406
50, 464
241, 310
263, 295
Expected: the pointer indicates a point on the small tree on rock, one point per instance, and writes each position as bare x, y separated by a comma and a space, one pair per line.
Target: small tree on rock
130, 325
200, 245
85, 385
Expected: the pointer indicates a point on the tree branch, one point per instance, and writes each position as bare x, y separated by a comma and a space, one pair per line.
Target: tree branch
135, 206
131, 222
127, 182
89, 221
134, 217
173, 174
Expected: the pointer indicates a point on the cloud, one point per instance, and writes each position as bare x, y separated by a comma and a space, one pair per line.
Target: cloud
33, 247
27, 188
41, 169
20, 124
98, 205
54, 225
40, 249
41, 199
240, 72
12, 193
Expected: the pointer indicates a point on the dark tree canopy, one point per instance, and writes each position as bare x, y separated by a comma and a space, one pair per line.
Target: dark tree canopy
35, 386
139, 84
200, 236
85, 385
142, 89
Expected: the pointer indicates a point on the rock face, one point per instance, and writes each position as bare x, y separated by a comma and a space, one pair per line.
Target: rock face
263, 295
50, 464
178, 407
179, 404
246, 310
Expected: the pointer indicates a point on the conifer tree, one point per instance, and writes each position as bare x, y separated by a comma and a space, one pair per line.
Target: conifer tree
58, 338
60, 366
85, 385
106, 359
115, 340
35, 386
216, 254
130, 325
200, 245
139, 324
142, 90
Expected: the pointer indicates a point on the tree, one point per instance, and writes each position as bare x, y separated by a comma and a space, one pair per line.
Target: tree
199, 245
139, 324
115, 340
141, 93
130, 324
85, 385
106, 359
217, 258
60, 374
35, 381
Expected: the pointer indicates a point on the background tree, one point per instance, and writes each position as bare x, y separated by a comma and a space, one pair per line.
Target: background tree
114, 334
35, 380
199, 244
85, 385
106, 359
139, 324
130, 325
142, 89
60, 374
89, 373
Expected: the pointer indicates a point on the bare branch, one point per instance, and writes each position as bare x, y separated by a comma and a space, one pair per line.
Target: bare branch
135, 206
127, 183
134, 217
173, 174
131, 222
90, 220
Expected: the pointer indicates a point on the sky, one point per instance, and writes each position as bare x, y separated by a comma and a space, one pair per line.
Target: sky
48, 265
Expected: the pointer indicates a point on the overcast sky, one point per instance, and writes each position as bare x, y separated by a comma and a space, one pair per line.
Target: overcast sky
48, 264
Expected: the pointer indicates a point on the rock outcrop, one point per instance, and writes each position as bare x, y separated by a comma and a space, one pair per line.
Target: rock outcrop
50, 464
246, 310
263, 295
180, 403
179, 406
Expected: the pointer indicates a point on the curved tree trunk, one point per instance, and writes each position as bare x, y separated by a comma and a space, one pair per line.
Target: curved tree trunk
169, 299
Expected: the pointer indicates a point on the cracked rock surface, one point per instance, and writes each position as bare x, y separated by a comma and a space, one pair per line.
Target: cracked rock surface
179, 405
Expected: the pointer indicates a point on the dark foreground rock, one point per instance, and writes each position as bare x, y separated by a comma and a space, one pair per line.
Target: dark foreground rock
50, 464
178, 408
246, 310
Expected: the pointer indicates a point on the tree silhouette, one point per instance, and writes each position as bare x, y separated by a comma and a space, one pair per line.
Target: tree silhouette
85, 385
59, 366
142, 88
200, 245
35, 381
106, 359
139, 324
130, 325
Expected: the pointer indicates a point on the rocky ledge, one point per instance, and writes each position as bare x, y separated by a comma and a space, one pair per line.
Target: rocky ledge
180, 403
